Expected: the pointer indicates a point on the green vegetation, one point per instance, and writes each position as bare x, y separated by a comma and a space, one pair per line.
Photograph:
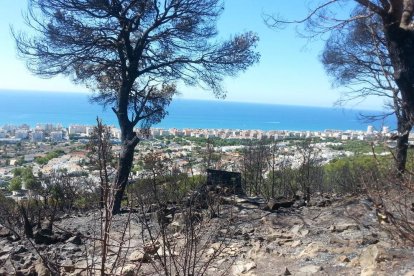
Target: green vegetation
360, 147
24, 177
53, 154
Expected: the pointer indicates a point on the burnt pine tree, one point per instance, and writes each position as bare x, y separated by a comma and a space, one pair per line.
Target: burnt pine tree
357, 58
394, 18
132, 53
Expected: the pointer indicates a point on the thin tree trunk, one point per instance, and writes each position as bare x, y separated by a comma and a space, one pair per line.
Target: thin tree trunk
126, 158
402, 150
28, 230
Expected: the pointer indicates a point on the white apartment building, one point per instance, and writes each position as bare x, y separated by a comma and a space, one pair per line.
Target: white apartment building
116, 133
37, 136
3, 133
77, 129
56, 136
370, 129
21, 134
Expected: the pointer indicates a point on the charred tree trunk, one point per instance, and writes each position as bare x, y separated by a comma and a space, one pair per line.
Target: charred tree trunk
28, 230
402, 149
129, 141
401, 152
126, 157
401, 49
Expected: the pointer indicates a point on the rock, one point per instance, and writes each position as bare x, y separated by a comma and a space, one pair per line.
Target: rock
4, 232
45, 236
409, 273
296, 243
241, 268
299, 203
175, 226
249, 266
76, 240
343, 259
373, 255
20, 249
210, 252
319, 201
6, 250
310, 269
138, 256
338, 240
42, 270
152, 248
368, 272
67, 265
295, 229
273, 205
27, 263
343, 227
299, 195
279, 236
286, 272
370, 239
127, 270
313, 249
3, 271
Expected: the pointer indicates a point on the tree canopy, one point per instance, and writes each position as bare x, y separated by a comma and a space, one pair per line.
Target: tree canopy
133, 53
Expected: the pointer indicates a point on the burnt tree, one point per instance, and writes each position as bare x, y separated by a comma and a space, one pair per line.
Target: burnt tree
132, 53
393, 18
357, 58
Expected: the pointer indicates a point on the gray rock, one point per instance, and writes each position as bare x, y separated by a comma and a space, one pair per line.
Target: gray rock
42, 270
138, 256
75, 240
310, 269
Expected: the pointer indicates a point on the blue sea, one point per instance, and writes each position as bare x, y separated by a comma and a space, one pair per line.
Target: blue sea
17, 107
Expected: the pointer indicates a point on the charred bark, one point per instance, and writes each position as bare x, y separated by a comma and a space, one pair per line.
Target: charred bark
401, 152
28, 229
126, 157
400, 46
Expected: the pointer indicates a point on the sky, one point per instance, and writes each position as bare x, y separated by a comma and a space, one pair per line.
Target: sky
289, 71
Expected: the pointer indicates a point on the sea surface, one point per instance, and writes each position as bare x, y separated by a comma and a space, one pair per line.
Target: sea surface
18, 107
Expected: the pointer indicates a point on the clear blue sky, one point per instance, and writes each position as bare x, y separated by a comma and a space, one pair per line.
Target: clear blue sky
289, 71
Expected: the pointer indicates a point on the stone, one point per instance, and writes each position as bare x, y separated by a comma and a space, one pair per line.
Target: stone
68, 265
373, 255
344, 227
41, 269
20, 249
138, 256
242, 268
310, 269
152, 248
45, 236
76, 240
6, 250
286, 272
370, 239
338, 240
273, 205
127, 270
296, 243
296, 228
210, 252
368, 272
4, 232
279, 236
313, 249
343, 259
409, 273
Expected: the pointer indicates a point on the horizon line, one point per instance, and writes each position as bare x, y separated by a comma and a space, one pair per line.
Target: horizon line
179, 97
